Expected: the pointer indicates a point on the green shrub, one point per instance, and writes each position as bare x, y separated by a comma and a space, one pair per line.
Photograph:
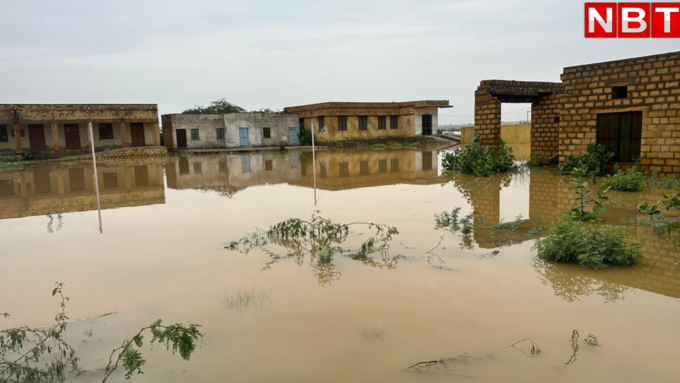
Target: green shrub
589, 245
594, 162
339, 145
581, 210
378, 146
630, 180
396, 145
538, 159
480, 161
305, 136
69, 159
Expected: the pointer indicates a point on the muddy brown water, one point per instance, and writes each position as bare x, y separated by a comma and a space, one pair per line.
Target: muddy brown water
162, 255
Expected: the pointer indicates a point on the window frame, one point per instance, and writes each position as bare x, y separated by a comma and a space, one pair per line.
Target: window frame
621, 134
108, 134
342, 123
619, 92
394, 122
4, 135
267, 132
322, 123
221, 133
382, 122
198, 135
363, 123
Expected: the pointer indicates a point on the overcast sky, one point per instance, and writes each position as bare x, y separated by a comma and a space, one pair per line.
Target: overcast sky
273, 54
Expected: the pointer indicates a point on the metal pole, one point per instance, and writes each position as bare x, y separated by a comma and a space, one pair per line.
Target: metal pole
96, 179
314, 164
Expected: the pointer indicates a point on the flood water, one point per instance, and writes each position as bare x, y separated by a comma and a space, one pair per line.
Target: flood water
435, 294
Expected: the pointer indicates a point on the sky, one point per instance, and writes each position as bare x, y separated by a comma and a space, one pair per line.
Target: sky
274, 54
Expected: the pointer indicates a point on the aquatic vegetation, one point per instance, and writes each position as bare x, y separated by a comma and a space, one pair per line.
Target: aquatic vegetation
451, 221
339, 146
592, 340
531, 350
656, 219
373, 333
50, 223
581, 210
68, 159
396, 145
244, 298
378, 146
589, 245
630, 180
411, 145
41, 355
480, 161
573, 342
321, 239
593, 163
669, 182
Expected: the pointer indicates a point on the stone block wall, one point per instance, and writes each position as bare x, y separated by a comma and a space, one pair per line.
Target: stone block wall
487, 116
545, 124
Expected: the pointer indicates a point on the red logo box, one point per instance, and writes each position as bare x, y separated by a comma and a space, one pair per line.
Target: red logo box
601, 20
665, 20
634, 20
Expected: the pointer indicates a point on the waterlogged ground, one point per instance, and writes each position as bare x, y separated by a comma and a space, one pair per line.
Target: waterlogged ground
436, 294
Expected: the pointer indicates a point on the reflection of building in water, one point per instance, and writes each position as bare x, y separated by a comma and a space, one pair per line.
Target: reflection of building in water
351, 170
334, 170
551, 195
231, 173
54, 187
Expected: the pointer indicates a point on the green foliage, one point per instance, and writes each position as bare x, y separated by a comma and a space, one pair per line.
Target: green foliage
581, 210
378, 146
452, 222
594, 162
670, 182
538, 159
305, 136
589, 245
480, 161
630, 180
339, 146
411, 145
221, 106
267, 110
176, 337
656, 219
168, 158
321, 239
69, 159
396, 145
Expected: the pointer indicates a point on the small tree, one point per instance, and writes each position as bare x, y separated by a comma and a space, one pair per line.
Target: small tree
221, 106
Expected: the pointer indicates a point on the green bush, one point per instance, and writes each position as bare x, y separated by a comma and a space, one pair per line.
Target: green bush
305, 136
630, 180
589, 245
594, 162
480, 161
538, 159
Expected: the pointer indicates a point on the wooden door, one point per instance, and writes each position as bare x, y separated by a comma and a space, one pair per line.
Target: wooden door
141, 175
137, 132
36, 137
181, 138
41, 178
72, 136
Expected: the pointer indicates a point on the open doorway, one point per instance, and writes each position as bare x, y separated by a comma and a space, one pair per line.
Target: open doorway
516, 128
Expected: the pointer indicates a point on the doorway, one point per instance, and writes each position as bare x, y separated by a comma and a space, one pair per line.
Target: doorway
181, 138
243, 136
72, 136
137, 132
427, 124
36, 137
292, 136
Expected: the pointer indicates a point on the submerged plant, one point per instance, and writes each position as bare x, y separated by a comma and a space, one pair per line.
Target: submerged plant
656, 219
41, 355
630, 180
583, 201
593, 162
480, 161
321, 239
589, 245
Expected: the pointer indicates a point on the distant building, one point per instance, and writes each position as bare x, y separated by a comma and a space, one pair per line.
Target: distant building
214, 131
61, 129
630, 106
341, 121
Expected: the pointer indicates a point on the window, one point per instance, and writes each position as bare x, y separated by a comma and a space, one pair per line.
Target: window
621, 134
382, 166
382, 122
394, 165
344, 169
557, 120
394, 122
184, 166
222, 166
363, 168
268, 165
194, 135
220, 132
110, 181
106, 131
198, 168
363, 123
342, 123
619, 92
3, 133
322, 124
266, 132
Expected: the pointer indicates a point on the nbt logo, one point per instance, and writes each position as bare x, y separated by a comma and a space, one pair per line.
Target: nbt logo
633, 20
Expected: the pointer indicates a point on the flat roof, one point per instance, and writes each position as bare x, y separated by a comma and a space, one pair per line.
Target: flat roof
355, 104
625, 59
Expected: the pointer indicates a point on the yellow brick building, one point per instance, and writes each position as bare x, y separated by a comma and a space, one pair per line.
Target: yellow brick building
343, 121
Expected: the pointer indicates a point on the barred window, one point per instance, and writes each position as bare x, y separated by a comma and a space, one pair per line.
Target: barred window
394, 165
220, 133
342, 123
198, 168
621, 134
363, 168
382, 166
267, 132
105, 131
322, 124
363, 123
194, 134
344, 169
382, 122
394, 122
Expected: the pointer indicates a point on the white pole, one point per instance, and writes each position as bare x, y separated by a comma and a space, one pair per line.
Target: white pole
96, 179
314, 164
